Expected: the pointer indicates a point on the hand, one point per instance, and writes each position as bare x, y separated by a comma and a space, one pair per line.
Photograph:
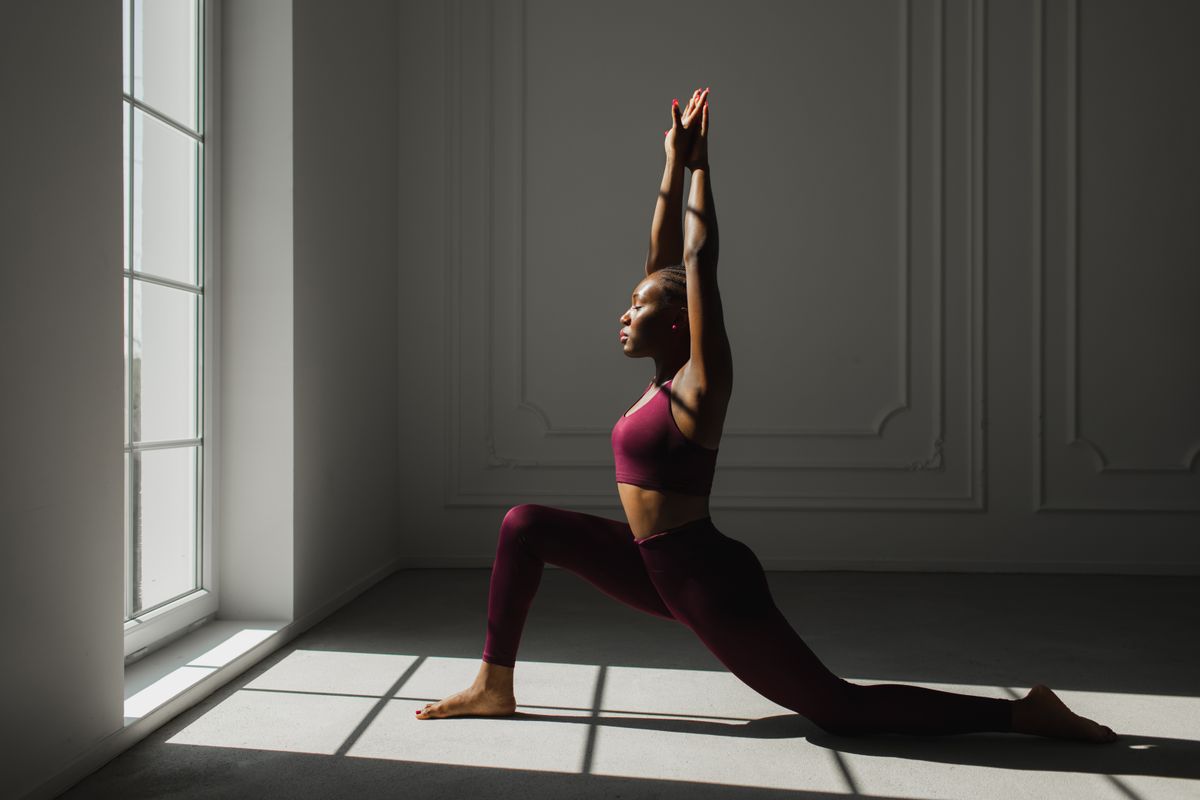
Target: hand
678, 138
695, 124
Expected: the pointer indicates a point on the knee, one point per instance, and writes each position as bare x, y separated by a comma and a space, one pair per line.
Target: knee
836, 712
522, 519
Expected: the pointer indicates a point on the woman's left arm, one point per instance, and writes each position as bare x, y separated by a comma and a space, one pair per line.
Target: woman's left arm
711, 361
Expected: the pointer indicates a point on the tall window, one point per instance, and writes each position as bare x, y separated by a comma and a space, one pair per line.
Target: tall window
163, 88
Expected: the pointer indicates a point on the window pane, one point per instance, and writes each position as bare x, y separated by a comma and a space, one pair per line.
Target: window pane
164, 363
128, 542
126, 145
164, 57
164, 560
125, 352
164, 200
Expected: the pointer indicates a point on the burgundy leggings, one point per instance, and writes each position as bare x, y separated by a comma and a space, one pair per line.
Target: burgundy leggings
714, 585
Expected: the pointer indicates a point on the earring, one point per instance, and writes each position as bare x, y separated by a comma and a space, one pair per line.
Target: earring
674, 326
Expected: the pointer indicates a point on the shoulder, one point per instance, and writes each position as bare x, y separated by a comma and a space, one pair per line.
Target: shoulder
687, 388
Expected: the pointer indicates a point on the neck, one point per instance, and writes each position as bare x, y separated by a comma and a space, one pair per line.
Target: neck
667, 365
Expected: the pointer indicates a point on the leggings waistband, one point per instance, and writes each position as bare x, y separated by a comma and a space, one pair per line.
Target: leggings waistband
695, 525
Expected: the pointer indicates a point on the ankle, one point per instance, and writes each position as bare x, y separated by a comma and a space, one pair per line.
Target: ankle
1025, 718
495, 678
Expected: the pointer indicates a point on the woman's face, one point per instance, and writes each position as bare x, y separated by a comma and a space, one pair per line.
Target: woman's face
646, 326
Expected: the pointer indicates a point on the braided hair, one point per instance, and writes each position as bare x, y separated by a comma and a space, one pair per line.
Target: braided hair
673, 280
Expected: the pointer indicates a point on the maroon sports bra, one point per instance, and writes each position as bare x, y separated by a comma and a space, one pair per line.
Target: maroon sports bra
650, 451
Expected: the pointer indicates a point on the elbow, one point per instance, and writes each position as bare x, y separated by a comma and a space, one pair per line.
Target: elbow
701, 257
701, 248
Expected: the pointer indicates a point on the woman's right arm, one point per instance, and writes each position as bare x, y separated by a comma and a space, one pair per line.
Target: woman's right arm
666, 227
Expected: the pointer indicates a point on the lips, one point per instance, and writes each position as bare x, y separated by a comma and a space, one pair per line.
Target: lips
622, 336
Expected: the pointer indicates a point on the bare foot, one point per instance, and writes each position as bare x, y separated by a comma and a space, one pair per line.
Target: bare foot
491, 695
1042, 713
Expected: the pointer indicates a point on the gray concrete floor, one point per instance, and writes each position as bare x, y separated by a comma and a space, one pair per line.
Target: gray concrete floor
616, 703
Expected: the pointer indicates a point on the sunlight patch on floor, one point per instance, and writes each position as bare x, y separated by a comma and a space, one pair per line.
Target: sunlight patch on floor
696, 726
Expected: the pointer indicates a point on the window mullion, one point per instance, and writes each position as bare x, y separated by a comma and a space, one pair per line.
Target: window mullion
163, 118
170, 283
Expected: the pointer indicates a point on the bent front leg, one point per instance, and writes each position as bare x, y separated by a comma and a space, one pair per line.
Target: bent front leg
601, 551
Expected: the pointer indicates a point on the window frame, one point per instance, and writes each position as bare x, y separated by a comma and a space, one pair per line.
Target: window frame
162, 624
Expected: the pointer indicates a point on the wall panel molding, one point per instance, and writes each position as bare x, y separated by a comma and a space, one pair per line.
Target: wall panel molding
502, 443
1072, 469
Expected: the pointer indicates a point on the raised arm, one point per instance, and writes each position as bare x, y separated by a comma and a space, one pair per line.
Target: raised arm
701, 243
711, 362
666, 227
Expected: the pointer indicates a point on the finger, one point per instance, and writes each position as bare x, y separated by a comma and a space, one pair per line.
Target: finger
675, 118
704, 120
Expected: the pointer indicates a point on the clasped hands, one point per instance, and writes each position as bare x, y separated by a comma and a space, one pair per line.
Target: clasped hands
686, 141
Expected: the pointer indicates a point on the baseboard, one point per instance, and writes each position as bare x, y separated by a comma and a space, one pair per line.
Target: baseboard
119, 741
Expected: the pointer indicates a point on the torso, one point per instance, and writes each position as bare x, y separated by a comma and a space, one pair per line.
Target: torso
649, 510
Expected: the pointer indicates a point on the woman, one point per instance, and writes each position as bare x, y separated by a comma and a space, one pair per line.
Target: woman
670, 560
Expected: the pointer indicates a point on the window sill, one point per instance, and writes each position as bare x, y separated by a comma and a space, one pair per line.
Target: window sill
180, 674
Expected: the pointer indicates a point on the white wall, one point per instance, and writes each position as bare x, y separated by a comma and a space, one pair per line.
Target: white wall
346, 384
308, 487
61, 430
257, 328
899, 298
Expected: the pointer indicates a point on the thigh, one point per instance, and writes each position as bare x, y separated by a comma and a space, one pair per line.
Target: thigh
602, 551
717, 587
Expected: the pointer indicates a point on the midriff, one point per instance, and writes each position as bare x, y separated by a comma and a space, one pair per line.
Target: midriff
650, 511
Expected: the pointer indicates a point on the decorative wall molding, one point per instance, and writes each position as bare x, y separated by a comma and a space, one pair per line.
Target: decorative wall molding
1066, 465
498, 34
